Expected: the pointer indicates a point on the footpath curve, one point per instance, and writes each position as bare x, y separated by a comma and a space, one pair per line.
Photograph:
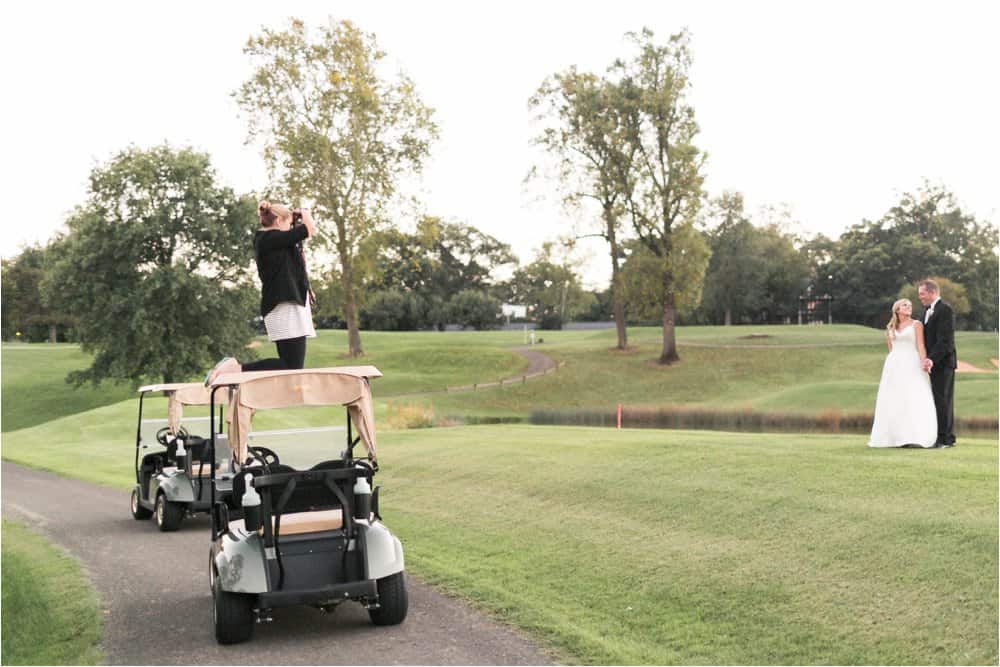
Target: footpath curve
157, 606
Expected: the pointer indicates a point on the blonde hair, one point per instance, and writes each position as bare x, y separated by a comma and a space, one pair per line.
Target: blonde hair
890, 330
270, 213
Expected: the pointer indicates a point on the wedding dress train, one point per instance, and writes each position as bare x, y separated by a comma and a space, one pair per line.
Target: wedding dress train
904, 407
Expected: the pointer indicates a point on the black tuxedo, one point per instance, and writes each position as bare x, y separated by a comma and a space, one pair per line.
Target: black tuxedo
939, 338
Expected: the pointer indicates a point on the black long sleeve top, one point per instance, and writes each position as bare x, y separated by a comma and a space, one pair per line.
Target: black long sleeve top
280, 266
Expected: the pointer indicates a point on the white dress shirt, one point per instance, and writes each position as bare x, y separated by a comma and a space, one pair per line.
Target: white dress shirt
930, 311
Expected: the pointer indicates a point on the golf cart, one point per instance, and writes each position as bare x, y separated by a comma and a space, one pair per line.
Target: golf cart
172, 482
310, 534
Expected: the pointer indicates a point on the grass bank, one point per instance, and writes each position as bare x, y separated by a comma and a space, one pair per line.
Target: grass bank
50, 611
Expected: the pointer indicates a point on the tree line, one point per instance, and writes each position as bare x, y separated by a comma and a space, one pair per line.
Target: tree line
154, 272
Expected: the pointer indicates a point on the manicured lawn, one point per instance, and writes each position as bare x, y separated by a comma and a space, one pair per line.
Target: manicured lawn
670, 547
34, 386
50, 611
677, 547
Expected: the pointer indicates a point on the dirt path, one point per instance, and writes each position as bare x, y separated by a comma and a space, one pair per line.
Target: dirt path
158, 609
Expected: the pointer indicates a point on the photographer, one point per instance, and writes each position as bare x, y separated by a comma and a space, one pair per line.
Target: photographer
286, 299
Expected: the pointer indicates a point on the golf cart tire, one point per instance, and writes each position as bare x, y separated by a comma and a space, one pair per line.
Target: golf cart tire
392, 601
234, 618
139, 513
168, 514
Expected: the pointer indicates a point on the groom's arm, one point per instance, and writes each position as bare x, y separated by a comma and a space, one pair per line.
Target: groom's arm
944, 341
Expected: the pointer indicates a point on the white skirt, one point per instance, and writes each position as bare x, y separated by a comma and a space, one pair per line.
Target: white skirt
289, 320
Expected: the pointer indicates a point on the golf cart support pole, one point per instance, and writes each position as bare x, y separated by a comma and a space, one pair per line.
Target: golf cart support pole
138, 439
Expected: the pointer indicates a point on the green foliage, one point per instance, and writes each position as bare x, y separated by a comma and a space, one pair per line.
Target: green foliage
644, 274
50, 611
393, 310
154, 268
474, 309
588, 124
664, 190
926, 233
953, 293
551, 290
26, 313
337, 131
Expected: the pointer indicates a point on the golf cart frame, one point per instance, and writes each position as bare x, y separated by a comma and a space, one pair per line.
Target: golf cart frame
316, 537
173, 482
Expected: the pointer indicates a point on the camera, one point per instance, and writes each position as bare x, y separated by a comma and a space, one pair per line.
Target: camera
296, 217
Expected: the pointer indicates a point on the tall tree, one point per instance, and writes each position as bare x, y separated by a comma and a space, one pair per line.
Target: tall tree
154, 267
664, 190
337, 130
549, 288
586, 131
642, 274
734, 282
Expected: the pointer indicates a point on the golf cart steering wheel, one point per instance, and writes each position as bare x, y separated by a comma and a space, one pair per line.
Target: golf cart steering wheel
266, 456
161, 435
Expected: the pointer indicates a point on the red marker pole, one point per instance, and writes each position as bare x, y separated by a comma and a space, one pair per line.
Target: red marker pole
619, 416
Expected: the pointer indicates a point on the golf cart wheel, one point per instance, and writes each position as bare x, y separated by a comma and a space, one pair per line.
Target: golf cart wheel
392, 601
233, 614
168, 514
138, 511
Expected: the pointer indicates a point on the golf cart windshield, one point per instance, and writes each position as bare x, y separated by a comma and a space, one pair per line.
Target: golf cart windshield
265, 390
178, 395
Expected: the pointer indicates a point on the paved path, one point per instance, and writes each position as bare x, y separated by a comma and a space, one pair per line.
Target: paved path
158, 608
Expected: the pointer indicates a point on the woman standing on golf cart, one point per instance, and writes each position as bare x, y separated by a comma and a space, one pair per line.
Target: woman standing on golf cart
285, 300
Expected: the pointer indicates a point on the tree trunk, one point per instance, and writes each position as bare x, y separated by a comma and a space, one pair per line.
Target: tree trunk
729, 317
669, 353
617, 300
350, 302
52, 333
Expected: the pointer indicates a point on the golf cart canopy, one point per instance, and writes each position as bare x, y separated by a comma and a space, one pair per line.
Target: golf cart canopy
178, 395
265, 390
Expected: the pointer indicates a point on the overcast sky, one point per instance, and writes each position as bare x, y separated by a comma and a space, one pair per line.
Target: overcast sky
832, 109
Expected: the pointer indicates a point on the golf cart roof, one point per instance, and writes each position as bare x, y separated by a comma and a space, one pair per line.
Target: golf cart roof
180, 394
263, 390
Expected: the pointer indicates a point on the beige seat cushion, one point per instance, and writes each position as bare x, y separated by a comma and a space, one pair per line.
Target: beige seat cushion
198, 469
298, 523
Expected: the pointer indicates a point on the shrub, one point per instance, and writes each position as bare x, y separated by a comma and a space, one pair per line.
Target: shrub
474, 308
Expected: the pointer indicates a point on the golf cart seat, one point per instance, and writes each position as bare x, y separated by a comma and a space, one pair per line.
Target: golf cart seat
301, 523
198, 469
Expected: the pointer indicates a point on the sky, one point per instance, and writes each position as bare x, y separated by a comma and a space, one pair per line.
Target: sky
830, 110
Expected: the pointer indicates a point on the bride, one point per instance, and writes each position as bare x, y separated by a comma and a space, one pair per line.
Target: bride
904, 408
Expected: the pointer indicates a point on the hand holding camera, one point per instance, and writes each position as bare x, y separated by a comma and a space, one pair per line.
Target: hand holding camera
302, 216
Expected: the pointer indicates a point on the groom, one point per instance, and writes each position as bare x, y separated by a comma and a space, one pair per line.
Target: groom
939, 337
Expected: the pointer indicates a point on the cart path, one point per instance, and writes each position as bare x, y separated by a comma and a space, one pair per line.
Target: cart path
157, 606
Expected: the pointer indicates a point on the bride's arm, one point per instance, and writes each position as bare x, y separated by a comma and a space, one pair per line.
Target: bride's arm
888, 340
918, 329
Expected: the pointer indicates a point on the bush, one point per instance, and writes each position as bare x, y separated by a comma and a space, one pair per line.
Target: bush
474, 308
550, 321
393, 310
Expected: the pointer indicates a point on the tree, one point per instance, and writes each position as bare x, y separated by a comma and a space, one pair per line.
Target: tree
664, 189
587, 134
954, 293
337, 131
154, 268
26, 310
734, 280
642, 274
926, 233
474, 308
393, 310
551, 290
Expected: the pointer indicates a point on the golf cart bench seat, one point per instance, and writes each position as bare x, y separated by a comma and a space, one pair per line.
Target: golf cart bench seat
198, 469
299, 523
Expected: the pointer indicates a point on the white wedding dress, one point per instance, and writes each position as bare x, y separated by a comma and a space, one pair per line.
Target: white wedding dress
904, 408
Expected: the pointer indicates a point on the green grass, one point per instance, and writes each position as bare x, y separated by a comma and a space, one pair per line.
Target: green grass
671, 546
679, 547
50, 612
34, 386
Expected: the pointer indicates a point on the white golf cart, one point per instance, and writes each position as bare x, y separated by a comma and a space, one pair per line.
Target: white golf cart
171, 481
311, 533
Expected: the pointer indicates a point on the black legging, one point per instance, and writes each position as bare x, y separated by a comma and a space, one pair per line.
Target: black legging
293, 356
